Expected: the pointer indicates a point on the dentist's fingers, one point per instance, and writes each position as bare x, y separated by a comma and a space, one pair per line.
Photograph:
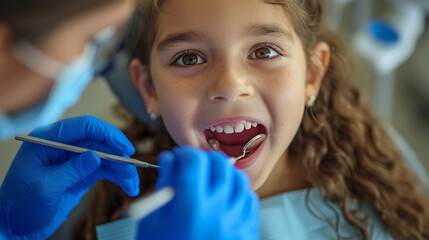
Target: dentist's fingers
86, 128
74, 170
124, 175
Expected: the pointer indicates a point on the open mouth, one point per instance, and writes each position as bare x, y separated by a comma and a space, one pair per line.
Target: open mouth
230, 138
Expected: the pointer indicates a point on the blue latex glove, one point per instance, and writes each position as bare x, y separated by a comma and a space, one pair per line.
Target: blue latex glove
44, 184
213, 200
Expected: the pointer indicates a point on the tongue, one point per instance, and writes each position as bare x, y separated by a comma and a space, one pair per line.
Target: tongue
232, 151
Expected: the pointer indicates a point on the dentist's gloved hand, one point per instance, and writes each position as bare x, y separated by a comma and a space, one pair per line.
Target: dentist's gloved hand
44, 184
213, 200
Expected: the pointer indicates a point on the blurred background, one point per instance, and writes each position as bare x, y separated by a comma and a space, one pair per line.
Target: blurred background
390, 39
391, 42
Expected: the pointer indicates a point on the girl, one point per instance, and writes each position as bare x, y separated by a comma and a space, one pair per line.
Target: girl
224, 71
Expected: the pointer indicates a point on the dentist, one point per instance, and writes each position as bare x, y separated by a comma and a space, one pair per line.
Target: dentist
48, 54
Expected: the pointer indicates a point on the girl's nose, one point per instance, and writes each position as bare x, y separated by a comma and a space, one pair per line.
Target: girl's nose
230, 83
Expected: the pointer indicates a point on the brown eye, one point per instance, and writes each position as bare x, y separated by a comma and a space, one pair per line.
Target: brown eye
190, 59
262, 53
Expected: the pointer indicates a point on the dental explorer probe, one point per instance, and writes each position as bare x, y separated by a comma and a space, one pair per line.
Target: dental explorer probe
71, 148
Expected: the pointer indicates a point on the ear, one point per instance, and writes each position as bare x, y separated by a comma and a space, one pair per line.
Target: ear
141, 79
317, 65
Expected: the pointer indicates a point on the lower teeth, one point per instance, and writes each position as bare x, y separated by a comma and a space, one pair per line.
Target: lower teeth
214, 144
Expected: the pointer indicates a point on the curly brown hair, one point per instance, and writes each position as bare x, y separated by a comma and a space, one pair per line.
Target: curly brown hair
342, 149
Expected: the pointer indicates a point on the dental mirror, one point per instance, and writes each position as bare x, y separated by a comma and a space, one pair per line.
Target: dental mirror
252, 144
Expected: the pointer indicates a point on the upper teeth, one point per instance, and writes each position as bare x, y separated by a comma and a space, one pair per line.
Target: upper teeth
238, 128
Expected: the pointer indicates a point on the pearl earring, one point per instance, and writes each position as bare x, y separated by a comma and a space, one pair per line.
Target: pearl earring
311, 101
152, 115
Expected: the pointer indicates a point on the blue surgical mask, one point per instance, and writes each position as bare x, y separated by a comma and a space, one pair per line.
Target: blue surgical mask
70, 80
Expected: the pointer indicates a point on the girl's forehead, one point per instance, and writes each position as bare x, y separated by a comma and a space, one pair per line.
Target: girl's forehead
225, 17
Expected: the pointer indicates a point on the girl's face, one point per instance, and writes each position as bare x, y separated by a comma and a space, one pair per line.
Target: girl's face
228, 70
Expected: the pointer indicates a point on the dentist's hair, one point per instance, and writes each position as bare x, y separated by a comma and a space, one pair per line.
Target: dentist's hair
340, 147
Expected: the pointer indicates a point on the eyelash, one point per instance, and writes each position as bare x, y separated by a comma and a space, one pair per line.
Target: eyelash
183, 54
276, 49
180, 55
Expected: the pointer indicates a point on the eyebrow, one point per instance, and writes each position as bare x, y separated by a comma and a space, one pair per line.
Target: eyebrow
174, 38
267, 29
252, 30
